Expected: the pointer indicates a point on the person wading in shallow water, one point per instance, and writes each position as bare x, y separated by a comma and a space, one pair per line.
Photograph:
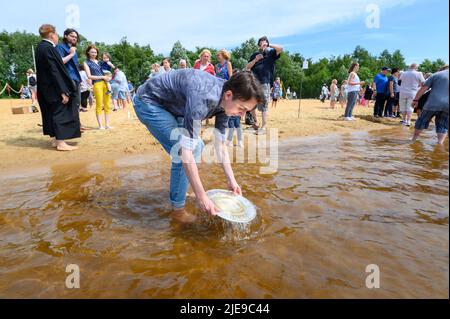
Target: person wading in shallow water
172, 107
437, 105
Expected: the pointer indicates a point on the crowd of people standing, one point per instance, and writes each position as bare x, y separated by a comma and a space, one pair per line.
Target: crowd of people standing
397, 94
99, 80
261, 64
59, 73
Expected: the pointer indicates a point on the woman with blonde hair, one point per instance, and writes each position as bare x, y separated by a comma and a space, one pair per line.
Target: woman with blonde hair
94, 72
224, 68
204, 63
334, 92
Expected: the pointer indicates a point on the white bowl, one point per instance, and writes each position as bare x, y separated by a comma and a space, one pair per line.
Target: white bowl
236, 209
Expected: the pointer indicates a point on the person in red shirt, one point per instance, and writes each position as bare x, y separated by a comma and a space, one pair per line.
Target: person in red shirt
204, 63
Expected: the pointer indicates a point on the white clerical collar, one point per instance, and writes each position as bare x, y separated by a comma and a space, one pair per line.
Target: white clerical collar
50, 42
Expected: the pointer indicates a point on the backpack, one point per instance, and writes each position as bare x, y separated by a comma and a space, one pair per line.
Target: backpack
32, 81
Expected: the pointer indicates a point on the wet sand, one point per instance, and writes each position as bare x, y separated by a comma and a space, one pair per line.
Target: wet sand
22, 144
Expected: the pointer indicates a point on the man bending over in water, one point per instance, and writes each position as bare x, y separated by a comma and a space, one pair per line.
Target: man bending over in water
180, 101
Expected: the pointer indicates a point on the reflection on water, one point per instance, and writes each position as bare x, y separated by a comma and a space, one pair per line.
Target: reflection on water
336, 205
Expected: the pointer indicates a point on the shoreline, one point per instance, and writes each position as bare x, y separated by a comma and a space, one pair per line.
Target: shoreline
23, 147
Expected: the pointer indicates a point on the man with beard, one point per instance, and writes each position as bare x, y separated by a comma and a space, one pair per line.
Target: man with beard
68, 51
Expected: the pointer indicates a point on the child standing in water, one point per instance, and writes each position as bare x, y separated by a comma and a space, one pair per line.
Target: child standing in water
107, 68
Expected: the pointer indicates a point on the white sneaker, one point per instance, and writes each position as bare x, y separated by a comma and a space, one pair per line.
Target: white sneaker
347, 119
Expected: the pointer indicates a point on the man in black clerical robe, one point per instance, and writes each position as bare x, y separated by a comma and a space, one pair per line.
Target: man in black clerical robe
56, 92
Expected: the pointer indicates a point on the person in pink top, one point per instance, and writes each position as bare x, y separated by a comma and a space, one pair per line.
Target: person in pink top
204, 63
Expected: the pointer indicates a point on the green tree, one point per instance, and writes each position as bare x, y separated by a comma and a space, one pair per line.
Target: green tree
364, 58
431, 66
385, 58
178, 52
289, 71
136, 60
17, 56
398, 60
4, 71
241, 55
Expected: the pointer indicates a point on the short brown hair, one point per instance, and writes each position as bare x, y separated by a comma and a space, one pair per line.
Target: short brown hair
245, 86
46, 29
264, 38
89, 48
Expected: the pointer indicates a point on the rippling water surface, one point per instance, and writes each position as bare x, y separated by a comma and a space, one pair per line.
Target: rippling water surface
336, 205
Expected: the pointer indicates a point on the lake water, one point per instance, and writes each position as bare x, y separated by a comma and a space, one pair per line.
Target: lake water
336, 205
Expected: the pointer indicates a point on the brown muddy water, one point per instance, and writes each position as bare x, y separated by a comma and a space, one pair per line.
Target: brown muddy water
336, 205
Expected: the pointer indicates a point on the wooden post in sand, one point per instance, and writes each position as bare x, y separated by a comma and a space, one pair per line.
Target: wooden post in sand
34, 58
300, 97
305, 67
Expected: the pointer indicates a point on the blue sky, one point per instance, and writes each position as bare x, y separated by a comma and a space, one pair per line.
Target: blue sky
313, 28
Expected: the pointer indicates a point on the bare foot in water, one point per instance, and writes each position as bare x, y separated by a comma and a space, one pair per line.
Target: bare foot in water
182, 216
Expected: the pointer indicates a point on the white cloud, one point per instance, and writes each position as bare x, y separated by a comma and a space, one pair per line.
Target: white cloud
221, 23
218, 23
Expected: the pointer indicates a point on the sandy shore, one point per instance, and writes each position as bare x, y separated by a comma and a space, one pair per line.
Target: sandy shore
22, 144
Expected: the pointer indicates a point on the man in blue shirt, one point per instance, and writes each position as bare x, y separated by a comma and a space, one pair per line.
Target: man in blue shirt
380, 85
68, 51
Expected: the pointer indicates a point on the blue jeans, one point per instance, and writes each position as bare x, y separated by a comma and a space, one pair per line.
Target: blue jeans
441, 121
380, 103
351, 102
234, 123
389, 108
165, 127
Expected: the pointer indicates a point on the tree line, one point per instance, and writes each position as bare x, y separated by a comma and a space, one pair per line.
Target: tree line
136, 60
